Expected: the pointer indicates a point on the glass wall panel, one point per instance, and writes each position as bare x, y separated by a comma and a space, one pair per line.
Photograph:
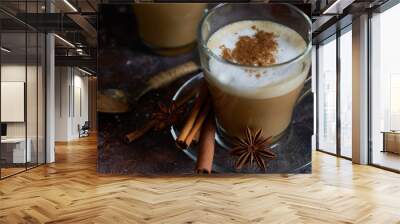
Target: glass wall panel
385, 89
41, 7
327, 96
41, 79
32, 98
22, 64
32, 101
14, 153
346, 94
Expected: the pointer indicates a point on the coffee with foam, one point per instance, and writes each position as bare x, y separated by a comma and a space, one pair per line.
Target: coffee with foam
257, 82
254, 96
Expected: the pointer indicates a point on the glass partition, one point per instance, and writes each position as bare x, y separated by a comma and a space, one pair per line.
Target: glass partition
22, 93
32, 98
14, 153
41, 97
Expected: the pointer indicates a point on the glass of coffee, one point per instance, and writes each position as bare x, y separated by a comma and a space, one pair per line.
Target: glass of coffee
255, 59
168, 29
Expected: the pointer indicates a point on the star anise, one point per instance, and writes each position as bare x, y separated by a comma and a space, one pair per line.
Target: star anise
166, 116
253, 147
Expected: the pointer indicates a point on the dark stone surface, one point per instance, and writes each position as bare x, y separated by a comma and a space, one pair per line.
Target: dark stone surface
124, 63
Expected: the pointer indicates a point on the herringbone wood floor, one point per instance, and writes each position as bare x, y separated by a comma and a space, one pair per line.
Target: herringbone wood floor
70, 191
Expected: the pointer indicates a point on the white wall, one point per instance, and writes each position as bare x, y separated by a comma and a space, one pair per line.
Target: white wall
10, 73
81, 97
70, 83
13, 101
62, 81
16, 72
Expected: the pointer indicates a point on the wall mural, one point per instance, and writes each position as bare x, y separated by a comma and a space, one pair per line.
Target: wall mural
204, 89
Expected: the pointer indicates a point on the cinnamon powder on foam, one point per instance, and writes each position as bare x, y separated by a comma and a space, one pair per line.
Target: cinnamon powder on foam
256, 50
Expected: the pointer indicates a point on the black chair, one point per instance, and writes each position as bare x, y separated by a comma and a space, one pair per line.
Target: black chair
84, 130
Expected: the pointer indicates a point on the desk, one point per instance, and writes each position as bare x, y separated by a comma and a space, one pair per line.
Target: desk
13, 150
391, 141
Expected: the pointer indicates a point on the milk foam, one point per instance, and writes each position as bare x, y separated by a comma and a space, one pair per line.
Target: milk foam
270, 82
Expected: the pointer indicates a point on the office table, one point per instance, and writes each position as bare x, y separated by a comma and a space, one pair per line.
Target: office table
16, 148
391, 141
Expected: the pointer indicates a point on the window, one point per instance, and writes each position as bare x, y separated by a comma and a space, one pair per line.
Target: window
333, 137
346, 93
385, 89
394, 101
327, 96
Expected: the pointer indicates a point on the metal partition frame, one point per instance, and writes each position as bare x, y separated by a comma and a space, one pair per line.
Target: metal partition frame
26, 30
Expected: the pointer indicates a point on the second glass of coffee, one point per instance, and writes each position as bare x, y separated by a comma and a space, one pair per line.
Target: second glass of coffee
168, 29
256, 58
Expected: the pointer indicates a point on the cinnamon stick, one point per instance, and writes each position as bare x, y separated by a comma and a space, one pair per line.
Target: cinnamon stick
192, 116
130, 137
206, 147
197, 125
196, 137
165, 77
168, 76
